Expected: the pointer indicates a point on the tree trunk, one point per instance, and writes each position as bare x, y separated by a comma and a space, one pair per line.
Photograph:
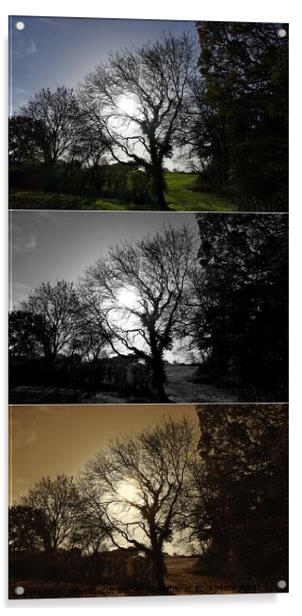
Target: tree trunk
158, 571
158, 380
159, 187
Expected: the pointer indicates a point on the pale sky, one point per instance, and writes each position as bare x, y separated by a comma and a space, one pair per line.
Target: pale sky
50, 246
54, 51
49, 440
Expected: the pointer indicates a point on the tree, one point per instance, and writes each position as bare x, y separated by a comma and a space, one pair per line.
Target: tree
56, 114
57, 500
138, 292
137, 99
140, 482
57, 308
239, 125
25, 143
240, 323
242, 486
26, 333
26, 528
92, 530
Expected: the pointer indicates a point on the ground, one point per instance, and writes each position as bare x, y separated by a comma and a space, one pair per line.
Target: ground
180, 580
179, 196
182, 387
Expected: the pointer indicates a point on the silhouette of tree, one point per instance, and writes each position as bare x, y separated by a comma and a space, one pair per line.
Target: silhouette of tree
92, 530
156, 271
137, 99
57, 500
26, 528
25, 140
56, 114
240, 516
241, 289
57, 307
238, 118
26, 332
140, 481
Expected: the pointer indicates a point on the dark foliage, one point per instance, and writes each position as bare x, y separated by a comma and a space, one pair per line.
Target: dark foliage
240, 129
243, 485
242, 324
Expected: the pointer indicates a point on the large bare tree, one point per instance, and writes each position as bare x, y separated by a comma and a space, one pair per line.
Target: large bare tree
138, 294
137, 98
141, 483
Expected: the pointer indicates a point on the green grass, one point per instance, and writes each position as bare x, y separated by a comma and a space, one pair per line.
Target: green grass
179, 196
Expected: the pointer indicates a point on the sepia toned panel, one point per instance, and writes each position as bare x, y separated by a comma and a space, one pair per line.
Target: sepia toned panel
134, 500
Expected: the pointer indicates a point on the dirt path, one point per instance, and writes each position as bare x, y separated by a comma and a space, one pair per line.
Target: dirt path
182, 388
181, 579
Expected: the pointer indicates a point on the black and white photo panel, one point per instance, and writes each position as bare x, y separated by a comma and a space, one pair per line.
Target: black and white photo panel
126, 307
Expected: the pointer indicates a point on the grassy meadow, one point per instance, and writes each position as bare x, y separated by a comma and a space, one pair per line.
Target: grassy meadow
180, 196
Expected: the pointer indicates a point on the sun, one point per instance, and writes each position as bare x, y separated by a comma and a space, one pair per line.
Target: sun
127, 298
128, 490
128, 105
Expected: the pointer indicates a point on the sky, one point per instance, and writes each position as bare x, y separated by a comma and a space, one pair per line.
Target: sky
51, 246
54, 51
51, 440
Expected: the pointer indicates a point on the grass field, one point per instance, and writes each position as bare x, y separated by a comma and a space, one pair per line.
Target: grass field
179, 196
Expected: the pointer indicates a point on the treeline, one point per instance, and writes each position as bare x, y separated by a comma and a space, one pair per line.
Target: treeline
228, 116
229, 306
242, 480
241, 132
222, 495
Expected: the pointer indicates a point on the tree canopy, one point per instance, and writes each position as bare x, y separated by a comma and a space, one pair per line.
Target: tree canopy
141, 483
139, 293
240, 322
241, 480
239, 124
137, 99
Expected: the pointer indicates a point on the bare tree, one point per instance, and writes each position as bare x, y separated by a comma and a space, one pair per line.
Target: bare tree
137, 98
56, 114
58, 308
141, 483
138, 292
57, 501
92, 530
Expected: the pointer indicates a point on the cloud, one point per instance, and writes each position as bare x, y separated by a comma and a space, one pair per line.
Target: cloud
20, 91
25, 48
19, 291
21, 241
19, 96
23, 432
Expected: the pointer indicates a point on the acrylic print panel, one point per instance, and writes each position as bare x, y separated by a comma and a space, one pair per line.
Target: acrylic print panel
155, 499
148, 114
182, 308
